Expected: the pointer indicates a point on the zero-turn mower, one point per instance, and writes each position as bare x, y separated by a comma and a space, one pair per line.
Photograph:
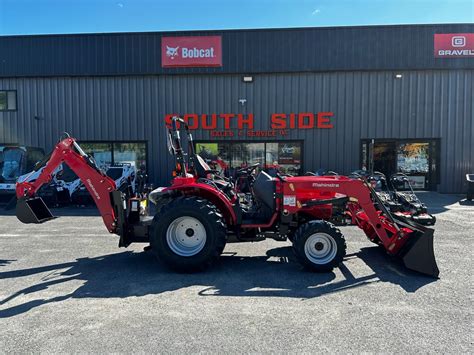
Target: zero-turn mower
397, 195
200, 209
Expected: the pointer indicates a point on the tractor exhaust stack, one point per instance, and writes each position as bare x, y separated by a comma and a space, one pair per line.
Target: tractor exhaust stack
32, 210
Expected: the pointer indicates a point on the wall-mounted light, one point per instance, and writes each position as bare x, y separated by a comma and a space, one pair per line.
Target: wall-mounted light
242, 101
398, 76
247, 79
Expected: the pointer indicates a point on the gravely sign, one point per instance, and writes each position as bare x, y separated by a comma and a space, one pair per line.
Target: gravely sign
454, 45
197, 51
241, 125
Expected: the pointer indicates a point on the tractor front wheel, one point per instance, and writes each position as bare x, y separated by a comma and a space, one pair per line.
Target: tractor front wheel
188, 234
319, 246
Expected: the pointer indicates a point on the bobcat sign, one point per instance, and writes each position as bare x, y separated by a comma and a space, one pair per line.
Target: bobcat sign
194, 51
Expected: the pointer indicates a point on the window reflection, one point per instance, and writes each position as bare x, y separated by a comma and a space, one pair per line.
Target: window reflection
108, 153
227, 157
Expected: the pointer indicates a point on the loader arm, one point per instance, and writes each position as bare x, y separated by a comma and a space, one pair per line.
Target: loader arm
101, 187
362, 205
407, 239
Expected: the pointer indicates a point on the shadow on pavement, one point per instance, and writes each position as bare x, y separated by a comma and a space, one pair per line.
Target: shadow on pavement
4, 262
391, 269
137, 274
72, 211
466, 202
438, 203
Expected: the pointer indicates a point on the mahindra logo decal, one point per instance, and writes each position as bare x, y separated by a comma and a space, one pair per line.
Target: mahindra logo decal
171, 52
324, 184
96, 194
458, 41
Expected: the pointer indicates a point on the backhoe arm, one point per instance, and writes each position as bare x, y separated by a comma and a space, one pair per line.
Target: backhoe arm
100, 186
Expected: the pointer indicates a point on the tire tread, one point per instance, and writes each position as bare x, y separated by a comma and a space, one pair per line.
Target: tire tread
208, 211
311, 227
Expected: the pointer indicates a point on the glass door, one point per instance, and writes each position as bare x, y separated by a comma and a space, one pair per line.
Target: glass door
413, 160
385, 157
418, 159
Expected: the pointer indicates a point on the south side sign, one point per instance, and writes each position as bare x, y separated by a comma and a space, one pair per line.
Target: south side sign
242, 125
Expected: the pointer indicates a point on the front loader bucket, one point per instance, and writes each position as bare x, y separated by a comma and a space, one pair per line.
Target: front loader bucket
32, 210
418, 254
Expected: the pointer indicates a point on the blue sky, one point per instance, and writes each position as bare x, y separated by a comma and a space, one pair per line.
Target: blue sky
80, 16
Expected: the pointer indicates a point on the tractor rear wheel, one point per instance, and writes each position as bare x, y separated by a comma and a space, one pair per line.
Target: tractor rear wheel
319, 246
188, 234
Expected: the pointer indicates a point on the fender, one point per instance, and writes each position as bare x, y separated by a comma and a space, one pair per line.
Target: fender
218, 198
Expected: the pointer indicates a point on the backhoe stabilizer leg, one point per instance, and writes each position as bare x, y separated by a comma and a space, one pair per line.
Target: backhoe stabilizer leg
418, 254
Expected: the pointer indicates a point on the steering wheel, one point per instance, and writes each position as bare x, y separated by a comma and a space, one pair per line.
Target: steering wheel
248, 170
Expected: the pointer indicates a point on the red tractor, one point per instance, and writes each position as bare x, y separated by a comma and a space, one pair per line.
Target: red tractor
201, 209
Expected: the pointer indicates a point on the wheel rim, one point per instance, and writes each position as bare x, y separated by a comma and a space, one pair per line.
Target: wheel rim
320, 248
186, 236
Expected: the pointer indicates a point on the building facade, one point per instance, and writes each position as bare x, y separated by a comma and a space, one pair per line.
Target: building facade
391, 98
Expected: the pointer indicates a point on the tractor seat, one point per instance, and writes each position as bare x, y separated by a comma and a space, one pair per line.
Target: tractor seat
203, 171
264, 190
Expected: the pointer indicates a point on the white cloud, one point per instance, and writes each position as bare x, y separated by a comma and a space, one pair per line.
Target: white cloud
119, 4
315, 12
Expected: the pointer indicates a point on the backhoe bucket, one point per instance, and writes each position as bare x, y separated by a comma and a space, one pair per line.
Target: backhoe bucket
32, 210
418, 254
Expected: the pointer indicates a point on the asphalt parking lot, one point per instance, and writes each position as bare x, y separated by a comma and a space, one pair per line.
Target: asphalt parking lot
66, 287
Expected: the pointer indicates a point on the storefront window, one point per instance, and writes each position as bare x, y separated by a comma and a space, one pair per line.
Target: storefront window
134, 153
272, 156
106, 154
101, 152
247, 154
289, 157
8, 100
217, 155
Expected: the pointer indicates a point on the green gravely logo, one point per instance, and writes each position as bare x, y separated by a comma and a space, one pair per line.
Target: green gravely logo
242, 125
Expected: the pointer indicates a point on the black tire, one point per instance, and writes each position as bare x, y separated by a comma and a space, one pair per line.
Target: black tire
189, 208
325, 236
